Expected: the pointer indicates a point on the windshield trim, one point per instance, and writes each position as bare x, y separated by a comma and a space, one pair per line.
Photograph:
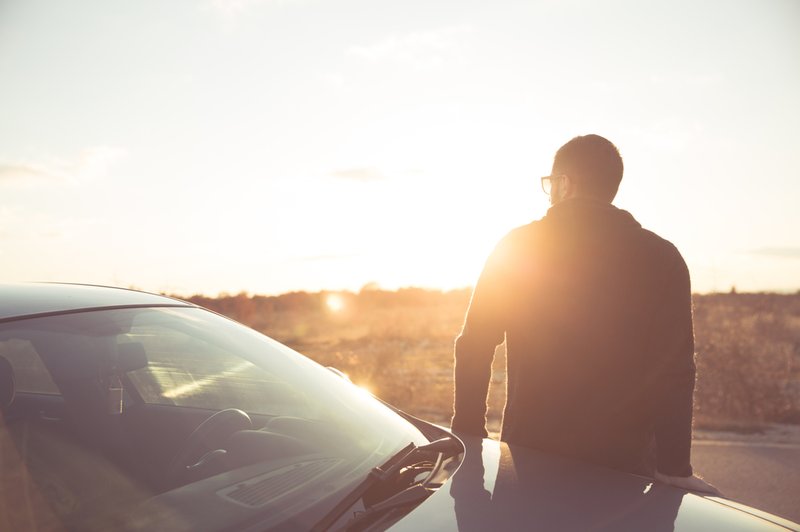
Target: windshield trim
96, 309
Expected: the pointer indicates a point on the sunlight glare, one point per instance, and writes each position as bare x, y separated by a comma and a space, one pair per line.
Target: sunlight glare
364, 390
190, 388
335, 303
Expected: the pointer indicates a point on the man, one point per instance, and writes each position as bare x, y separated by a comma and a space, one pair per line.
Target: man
596, 313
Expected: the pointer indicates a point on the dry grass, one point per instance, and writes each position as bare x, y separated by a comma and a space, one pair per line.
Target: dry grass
748, 359
399, 345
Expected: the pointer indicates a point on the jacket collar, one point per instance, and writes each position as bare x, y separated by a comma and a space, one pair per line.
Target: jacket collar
589, 210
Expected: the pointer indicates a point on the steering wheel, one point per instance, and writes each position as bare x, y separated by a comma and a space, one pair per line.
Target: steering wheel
209, 435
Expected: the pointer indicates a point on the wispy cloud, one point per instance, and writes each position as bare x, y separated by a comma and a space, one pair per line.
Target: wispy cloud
328, 257
369, 173
231, 10
673, 81
90, 164
426, 49
24, 172
680, 81
777, 252
22, 224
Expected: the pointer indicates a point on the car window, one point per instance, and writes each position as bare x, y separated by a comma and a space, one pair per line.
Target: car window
184, 370
30, 373
189, 357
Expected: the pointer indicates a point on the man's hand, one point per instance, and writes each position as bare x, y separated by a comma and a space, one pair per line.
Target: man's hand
692, 483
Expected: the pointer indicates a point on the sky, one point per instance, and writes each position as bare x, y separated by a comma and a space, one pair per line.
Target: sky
265, 146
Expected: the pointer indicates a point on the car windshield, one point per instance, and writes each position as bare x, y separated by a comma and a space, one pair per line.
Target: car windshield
173, 362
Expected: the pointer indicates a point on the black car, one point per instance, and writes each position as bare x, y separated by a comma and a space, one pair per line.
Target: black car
131, 411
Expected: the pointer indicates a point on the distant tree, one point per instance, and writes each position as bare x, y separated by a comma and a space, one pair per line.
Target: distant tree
370, 286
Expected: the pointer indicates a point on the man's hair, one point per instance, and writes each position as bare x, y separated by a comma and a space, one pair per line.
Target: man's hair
594, 163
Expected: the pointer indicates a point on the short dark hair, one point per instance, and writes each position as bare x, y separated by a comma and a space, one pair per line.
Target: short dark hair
594, 163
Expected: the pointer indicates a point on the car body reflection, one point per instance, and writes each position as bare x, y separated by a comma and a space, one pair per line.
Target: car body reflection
506, 487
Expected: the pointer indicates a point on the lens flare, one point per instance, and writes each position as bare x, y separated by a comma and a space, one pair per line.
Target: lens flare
335, 303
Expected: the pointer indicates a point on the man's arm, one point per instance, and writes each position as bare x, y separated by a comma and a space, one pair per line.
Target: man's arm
484, 329
673, 345
674, 340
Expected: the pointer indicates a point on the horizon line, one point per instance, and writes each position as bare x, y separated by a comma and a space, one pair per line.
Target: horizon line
325, 291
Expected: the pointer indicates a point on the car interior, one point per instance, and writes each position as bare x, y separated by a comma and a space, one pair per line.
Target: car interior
94, 449
102, 434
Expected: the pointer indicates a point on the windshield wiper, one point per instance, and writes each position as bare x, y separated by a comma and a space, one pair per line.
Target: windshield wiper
383, 473
411, 495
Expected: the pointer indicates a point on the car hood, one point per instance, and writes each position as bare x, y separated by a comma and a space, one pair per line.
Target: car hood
506, 487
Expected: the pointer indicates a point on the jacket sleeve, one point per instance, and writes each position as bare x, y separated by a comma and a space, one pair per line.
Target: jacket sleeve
483, 330
673, 342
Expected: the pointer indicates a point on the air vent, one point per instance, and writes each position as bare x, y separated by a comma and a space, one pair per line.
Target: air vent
263, 489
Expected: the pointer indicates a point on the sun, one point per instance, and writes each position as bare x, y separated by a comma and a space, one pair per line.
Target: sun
335, 303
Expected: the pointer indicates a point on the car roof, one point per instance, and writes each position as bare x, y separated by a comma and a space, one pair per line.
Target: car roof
32, 299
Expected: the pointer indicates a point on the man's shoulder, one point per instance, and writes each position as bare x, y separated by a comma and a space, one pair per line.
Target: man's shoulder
514, 244
521, 236
660, 245
523, 231
531, 236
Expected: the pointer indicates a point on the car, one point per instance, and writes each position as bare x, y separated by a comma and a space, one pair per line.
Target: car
132, 411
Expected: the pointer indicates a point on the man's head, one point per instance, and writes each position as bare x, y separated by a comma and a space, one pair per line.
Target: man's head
592, 166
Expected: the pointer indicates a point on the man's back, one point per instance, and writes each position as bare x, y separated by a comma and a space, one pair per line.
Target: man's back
596, 313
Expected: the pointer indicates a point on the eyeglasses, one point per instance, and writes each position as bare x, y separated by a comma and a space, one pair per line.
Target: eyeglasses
547, 182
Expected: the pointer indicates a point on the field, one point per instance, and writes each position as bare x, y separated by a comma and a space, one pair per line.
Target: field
399, 345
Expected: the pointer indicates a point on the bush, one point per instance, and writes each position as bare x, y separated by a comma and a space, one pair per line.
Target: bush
399, 345
748, 349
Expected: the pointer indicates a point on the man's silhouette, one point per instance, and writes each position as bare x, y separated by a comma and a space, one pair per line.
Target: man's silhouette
596, 313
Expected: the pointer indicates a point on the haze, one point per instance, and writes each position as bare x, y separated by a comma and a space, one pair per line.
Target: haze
267, 146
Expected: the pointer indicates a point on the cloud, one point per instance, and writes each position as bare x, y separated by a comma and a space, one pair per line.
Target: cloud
427, 49
90, 164
368, 173
778, 252
28, 225
95, 162
24, 172
678, 81
328, 257
232, 9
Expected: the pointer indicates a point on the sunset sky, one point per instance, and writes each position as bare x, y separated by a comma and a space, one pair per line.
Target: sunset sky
264, 146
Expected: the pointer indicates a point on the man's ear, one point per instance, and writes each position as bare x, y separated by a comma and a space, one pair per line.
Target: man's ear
570, 188
564, 188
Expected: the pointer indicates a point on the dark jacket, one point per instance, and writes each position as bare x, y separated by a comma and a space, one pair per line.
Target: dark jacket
597, 316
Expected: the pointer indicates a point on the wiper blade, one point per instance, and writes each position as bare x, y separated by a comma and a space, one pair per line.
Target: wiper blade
375, 475
385, 471
412, 495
